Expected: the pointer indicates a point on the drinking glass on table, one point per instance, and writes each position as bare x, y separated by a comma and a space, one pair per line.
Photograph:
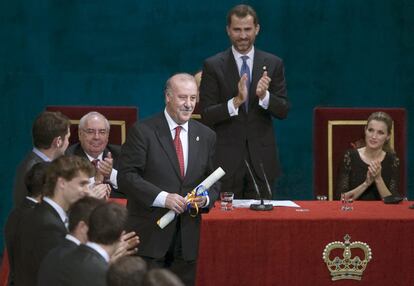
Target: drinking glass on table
321, 198
226, 201
347, 200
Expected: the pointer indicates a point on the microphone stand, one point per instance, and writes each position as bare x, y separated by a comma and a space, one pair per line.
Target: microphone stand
269, 190
262, 206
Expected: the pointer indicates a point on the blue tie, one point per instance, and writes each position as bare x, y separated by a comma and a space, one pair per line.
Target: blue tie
246, 70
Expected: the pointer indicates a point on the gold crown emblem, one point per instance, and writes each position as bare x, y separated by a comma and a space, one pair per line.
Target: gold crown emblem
349, 266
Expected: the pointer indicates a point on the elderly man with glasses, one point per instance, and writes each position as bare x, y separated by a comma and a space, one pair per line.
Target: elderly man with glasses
93, 144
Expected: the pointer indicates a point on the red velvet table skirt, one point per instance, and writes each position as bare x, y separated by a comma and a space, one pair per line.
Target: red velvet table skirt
284, 246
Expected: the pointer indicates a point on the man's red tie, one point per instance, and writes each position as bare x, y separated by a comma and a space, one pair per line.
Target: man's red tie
95, 162
179, 149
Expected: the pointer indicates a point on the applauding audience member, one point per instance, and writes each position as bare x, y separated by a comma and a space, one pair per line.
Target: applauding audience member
371, 172
79, 213
88, 263
93, 145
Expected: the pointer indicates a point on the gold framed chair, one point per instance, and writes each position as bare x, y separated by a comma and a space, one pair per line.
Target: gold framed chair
120, 118
337, 129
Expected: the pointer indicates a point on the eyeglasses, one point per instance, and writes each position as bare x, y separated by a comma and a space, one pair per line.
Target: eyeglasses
100, 132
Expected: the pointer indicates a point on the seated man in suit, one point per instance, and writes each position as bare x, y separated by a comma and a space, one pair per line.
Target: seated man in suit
79, 214
34, 182
93, 144
50, 134
88, 263
45, 226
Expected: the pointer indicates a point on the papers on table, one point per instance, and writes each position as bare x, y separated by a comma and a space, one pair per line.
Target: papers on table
247, 203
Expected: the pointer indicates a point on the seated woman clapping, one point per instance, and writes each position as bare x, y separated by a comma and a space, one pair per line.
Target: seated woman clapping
372, 171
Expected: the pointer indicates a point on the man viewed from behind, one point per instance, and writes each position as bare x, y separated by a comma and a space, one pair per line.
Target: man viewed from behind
79, 214
34, 182
88, 263
50, 135
126, 271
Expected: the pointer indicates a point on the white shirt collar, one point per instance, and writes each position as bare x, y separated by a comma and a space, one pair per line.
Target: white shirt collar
62, 214
41, 155
237, 55
172, 124
100, 156
31, 199
98, 249
73, 239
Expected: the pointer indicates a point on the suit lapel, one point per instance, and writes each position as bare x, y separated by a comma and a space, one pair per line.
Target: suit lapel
258, 64
54, 213
231, 72
193, 148
164, 136
79, 152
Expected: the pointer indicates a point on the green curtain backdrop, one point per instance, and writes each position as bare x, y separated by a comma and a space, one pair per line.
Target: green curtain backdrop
347, 53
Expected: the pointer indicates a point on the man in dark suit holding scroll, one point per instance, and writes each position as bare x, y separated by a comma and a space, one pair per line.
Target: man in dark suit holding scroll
163, 159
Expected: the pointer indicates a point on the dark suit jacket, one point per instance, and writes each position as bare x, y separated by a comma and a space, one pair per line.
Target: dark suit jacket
12, 233
76, 149
42, 230
148, 166
253, 129
51, 266
82, 267
20, 190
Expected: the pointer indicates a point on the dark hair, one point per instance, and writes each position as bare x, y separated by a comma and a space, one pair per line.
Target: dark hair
35, 179
47, 126
387, 120
241, 11
106, 223
81, 211
66, 167
126, 271
161, 277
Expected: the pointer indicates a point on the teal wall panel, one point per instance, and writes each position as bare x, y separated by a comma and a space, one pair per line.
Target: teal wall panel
348, 53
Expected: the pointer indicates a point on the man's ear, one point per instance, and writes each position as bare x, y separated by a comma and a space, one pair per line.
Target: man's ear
60, 184
257, 29
57, 141
83, 227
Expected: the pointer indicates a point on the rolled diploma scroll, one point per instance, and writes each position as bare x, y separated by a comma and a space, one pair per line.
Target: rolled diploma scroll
207, 183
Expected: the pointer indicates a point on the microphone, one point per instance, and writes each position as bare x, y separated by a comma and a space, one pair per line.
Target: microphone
261, 206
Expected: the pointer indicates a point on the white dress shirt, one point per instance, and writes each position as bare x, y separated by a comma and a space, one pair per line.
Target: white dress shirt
264, 103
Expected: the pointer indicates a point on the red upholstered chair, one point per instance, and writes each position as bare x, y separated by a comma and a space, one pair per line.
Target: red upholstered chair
120, 118
338, 129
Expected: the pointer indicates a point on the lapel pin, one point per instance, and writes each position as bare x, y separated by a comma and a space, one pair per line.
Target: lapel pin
197, 138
